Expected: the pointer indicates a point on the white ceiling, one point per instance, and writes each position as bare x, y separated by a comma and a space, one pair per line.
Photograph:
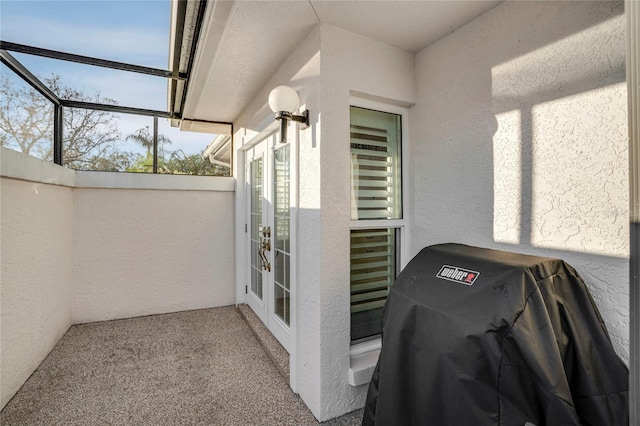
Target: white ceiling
243, 42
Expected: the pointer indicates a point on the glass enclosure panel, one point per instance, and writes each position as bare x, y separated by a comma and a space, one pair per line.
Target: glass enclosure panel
181, 152
126, 31
256, 226
129, 32
281, 236
99, 140
373, 270
95, 139
82, 82
376, 178
26, 117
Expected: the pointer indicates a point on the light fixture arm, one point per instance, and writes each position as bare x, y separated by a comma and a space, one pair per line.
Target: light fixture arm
285, 115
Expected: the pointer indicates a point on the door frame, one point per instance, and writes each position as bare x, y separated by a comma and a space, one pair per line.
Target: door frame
242, 251
264, 304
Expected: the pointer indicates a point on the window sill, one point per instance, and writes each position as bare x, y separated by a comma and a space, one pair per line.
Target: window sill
364, 357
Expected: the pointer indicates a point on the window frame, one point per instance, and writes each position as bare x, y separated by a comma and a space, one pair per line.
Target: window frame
365, 348
375, 162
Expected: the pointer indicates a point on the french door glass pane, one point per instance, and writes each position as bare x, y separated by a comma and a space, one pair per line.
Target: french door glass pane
256, 226
375, 165
282, 287
373, 270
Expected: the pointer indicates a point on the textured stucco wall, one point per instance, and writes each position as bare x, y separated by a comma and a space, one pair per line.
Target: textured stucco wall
300, 71
519, 142
36, 248
352, 65
142, 252
328, 68
303, 67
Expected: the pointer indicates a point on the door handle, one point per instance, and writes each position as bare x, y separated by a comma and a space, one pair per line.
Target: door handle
265, 245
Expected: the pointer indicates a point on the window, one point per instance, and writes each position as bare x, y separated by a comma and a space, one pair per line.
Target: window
376, 216
375, 165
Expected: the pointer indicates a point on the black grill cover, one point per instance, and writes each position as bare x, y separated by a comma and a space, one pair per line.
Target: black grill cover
472, 336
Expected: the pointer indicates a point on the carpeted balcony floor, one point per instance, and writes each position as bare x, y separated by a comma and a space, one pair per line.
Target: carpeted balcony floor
203, 367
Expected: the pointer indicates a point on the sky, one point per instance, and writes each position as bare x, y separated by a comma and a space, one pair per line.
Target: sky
131, 31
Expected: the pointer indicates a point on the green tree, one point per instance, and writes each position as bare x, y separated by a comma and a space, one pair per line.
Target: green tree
170, 162
91, 140
192, 164
144, 138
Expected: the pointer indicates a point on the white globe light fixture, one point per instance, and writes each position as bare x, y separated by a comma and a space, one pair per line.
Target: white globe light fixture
284, 101
284, 98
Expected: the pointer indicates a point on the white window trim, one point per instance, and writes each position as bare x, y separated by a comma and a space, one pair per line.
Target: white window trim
377, 224
364, 356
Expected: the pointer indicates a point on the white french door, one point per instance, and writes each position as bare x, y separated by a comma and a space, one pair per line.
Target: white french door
268, 184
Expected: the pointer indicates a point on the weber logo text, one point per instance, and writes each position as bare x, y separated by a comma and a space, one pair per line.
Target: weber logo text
458, 275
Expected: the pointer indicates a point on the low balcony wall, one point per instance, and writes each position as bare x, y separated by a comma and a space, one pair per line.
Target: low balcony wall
89, 246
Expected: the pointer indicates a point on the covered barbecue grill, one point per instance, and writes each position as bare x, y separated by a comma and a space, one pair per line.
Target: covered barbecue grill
473, 336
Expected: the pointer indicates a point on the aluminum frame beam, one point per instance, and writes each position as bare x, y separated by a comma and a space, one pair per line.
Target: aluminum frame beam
87, 60
14, 65
115, 108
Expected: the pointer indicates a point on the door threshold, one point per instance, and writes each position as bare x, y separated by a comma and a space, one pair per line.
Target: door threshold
275, 351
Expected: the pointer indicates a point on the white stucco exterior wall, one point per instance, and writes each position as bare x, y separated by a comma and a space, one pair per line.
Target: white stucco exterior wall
352, 65
327, 69
519, 142
36, 247
143, 252
301, 71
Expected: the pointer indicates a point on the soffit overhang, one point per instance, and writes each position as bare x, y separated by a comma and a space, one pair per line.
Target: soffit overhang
242, 43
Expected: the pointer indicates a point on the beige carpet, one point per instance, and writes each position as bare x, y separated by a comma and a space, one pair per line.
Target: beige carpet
200, 367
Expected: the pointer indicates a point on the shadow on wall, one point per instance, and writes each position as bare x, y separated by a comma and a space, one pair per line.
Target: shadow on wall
560, 146
532, 142
560, 158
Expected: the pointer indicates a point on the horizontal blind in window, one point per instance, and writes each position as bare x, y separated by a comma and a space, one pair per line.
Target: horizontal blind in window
375, 165
373, 267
